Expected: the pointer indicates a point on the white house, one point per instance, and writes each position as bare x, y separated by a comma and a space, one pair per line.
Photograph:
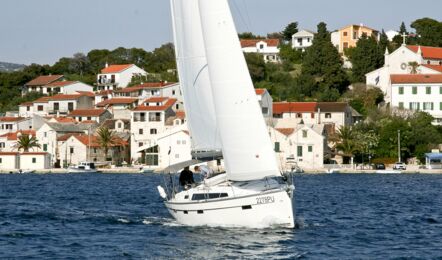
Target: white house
9, 161
35, 161
302, 39
304, 146
13, 124
37, 84
118, 76
98, 115
59, 104
66, 87
418, 92
103, 95
268, 48
331, 114
26, 109
8, 141
148, 120
171, 147
429, 60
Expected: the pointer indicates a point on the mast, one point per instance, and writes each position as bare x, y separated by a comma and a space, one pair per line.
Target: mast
247, 148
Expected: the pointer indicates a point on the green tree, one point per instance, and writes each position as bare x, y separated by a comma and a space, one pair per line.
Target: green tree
429, 31
249, 36
106, 138
345, 142
366, 57
289, 30
256, 65
413, 67
26, 142
384, 44
323, 62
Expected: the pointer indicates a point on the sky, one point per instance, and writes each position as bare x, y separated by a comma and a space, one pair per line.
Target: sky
42, 31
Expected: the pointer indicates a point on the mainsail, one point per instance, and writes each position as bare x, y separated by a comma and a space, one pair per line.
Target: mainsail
194, 75
246, 145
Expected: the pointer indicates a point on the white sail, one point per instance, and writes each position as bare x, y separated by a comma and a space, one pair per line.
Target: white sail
194, 75
247, 149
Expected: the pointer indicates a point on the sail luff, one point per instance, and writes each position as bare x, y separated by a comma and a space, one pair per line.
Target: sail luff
193, 75
247, 148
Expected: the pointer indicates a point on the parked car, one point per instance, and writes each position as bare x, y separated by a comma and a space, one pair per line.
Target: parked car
379, 166
399, 166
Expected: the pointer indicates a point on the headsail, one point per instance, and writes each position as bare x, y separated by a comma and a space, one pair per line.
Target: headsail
247, 148
194, 75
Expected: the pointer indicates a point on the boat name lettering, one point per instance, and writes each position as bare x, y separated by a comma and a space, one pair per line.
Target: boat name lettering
265, 200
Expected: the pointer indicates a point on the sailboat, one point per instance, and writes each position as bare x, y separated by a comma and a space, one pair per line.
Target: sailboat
224, 117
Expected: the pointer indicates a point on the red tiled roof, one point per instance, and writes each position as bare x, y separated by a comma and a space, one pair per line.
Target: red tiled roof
427, 52
86, 93
104, 92
8, 153
416, 78
13, 136
92, 140
60, 83
11, 119
88, 122
34, 153
180, 114
260, 91
43, 80
252, 42
154, 85
433, 67
286, 131
87, 112
115, 101
42, 100
155, 99
64, 120
129, 89
26, 104
167, 105
64, 138
116, 68
293, 107
64, 97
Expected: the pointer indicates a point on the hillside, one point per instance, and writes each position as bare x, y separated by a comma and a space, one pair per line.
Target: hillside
6, 66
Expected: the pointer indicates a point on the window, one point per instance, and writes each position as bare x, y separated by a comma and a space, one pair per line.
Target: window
183, 142
140, 117
152, 156
265, 110
34, 160
327, 115
401, 105
56, 106
261, 46
345, 45
299, 115
401, 90
1, 161
277, 147
173, 92
46, 134
312, 115
28, 108
95, 150
205, 196
155, 117
2, 145
345, 33
40, 107
140, 144
177, 106
153, 131
428, 106
89, 118
178, 142
140, 131
45, 147
70, 106
355, 35
120, 125
304, 133
440, 90
414, 90
440, 106
71, 150
428, 90
310, 148
414, 105
299, 151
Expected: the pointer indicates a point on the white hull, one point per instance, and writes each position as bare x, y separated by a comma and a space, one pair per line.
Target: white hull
252, 209
73, 170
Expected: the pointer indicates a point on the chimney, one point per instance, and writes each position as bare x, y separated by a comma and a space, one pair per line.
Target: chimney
106, 65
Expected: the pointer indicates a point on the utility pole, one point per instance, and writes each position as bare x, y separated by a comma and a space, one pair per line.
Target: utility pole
399, 145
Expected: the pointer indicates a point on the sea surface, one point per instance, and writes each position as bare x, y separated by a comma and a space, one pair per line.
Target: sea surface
121, 216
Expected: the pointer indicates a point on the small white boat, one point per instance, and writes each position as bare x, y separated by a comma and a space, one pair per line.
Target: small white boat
20, 171
83, 167
388, 172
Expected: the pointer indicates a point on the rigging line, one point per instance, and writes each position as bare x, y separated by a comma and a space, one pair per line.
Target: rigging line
240, 15
247, 12
199, 73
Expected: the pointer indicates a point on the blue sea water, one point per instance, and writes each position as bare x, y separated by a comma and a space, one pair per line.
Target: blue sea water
121, 216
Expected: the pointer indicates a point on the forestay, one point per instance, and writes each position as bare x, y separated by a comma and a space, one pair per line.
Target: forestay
246, 144
194, 76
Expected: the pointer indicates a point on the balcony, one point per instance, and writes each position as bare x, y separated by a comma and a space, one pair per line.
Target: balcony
105, 82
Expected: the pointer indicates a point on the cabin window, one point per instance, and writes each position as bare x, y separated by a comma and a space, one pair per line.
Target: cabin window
185, 212
34, 160
247, 207
205, 196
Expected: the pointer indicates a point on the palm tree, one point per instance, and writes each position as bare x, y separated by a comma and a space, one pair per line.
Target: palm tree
345, 142
413, 67
106, 138
26, 142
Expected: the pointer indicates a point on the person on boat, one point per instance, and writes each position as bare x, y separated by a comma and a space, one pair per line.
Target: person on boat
186, 177
205, 171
